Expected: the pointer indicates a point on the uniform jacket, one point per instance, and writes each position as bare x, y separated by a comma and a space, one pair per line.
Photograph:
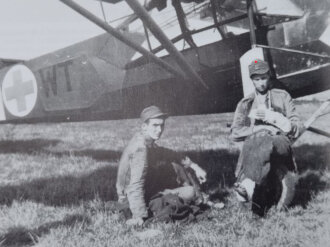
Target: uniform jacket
137, 160
281, 102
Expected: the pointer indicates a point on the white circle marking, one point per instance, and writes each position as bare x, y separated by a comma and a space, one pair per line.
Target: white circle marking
19, 90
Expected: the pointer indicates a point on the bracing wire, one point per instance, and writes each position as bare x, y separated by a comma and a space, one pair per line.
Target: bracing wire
168, 23
102, 9
120, 18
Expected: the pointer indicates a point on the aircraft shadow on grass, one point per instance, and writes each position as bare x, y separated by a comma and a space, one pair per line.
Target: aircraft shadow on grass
21, 236
220, 165
26, 146
39, 146
313, 162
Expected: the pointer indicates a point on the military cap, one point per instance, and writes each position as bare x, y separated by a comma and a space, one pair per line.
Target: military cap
258, 67
152, 112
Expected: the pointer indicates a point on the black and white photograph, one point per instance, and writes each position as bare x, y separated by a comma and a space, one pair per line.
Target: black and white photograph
164, 123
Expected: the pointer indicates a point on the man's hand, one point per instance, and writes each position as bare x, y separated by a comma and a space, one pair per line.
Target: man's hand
135, 222
270, 128
122, 198
169, 191
295, 132
200, 173
279, 120
260, 114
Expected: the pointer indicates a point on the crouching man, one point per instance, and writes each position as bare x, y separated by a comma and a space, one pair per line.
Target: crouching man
137, 179
267, 121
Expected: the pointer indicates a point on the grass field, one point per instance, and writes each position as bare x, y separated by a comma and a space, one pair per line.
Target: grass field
57, 183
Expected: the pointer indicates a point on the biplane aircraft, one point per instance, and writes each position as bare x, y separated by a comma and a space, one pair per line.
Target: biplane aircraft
101, 78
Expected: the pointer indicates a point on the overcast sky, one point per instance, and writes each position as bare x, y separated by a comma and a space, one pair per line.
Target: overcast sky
29, 28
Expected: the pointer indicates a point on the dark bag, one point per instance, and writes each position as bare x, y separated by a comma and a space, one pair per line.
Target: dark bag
170, 208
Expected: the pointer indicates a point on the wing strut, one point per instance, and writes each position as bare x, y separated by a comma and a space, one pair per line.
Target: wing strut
183, 23
219, 24
121, 37
215, 8
250, 12
159, 34
311, 120
180, 37
319, 131
132, 18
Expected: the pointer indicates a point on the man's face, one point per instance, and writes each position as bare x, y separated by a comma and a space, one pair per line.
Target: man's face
153, 128
261, 83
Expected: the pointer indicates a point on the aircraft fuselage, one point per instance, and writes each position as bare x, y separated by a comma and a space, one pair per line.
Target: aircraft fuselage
90, 80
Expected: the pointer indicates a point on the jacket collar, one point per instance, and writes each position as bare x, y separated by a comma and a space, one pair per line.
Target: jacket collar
251, 97
147, 141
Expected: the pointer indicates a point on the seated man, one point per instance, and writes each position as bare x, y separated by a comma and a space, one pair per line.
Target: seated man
267, 121
136, 181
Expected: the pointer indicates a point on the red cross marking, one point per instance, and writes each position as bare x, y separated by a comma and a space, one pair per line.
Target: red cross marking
19, 90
